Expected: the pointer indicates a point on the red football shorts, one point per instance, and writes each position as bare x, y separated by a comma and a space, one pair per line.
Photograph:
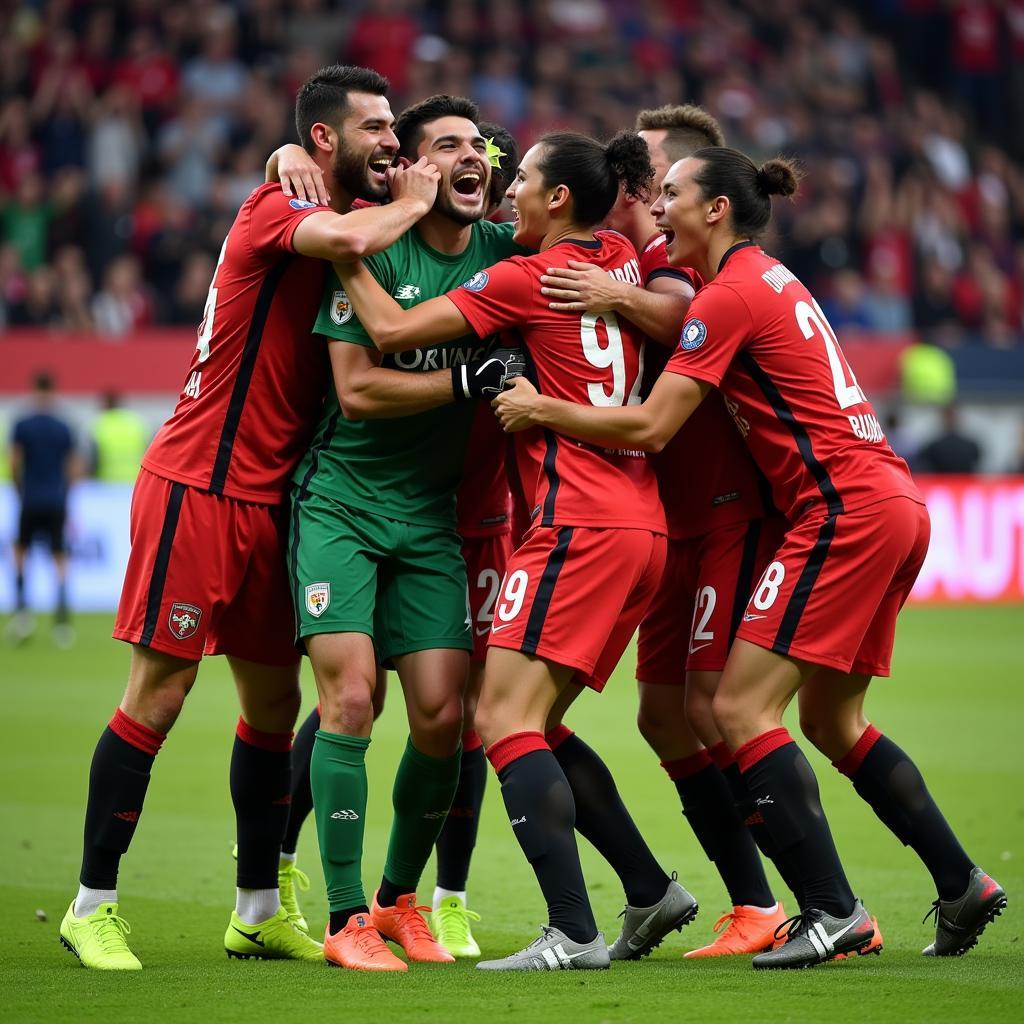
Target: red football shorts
708, 580
485, 558
832, 591
206, 575
575, 595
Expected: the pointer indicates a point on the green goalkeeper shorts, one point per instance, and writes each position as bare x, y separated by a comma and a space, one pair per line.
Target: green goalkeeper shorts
352, 571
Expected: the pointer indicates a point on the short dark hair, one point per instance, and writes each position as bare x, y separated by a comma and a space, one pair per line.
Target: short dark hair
323, 97
503, 176
409, 123
687, 128
728, 172
593, 172
42, 380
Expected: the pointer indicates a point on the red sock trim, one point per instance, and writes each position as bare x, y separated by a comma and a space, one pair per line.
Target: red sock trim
138, 735
513, 747
275, 742
471, 741
557, 736
721, 755
760, 747
849, 765
684, 767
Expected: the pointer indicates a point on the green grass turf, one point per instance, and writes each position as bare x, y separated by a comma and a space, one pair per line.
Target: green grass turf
955, 704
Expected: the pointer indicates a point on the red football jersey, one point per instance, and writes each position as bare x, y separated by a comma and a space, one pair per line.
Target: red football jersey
589, 359
756, 333
706, 476
254, 387
483, 500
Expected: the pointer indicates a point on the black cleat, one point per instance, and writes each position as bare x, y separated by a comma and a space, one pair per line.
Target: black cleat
814, 937
958, 923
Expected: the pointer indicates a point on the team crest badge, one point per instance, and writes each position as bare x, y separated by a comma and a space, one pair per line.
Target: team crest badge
318, 597
694, 333
183, 620
341, 308
477, 283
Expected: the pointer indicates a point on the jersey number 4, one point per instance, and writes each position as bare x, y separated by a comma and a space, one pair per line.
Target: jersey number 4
608, 356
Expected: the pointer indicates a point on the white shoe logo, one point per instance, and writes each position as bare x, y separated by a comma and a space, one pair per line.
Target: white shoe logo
557, 959
347, 815
517, 821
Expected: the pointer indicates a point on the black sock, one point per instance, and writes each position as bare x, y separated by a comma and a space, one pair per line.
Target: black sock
785, 794
542, 813
708, 807
602, 819
388, 893
118, 779
755, 825
19, 590
339, 918
261, 783
302, 793
893, 787
62, 615
458, 836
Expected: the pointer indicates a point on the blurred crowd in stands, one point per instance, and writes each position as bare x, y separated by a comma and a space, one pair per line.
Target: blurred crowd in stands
130, 132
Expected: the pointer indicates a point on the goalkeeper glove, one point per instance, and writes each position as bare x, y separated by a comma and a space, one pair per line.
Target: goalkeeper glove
487, 379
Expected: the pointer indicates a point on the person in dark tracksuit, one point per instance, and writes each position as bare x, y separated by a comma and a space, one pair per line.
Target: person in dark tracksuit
42, 466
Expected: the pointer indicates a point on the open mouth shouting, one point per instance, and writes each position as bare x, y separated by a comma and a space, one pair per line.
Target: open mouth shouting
378, 166
469, 184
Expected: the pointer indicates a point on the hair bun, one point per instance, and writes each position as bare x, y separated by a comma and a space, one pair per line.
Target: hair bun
778, 177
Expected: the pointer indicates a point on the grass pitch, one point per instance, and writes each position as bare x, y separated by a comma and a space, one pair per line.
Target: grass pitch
955, 703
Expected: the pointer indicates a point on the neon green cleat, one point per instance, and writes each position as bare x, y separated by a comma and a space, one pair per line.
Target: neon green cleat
290, 878
277, 938
450, 925
99, 940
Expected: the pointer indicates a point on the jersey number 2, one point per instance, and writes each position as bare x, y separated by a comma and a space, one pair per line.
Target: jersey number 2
811, 321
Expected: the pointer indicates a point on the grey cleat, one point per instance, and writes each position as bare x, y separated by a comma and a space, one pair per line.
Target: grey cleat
644, 928
814, 937
554, 951
958, 923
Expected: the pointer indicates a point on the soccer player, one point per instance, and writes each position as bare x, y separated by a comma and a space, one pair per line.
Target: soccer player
719, 544
483, 517
821, 620
43, 465
575, 589
376, 566
206, 574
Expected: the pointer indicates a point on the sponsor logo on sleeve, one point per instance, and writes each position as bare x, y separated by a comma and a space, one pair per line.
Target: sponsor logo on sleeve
694, 333
183, 620
477, 283
301, 204
341, 308
318, 598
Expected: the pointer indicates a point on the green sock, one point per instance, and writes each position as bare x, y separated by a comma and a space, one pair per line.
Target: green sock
424, 790
337, 775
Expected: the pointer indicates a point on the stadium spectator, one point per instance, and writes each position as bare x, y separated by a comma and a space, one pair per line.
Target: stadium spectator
123, 306
42, 458
136, 131
952, 451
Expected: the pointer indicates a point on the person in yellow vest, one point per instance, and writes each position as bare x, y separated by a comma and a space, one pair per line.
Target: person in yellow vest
119, 439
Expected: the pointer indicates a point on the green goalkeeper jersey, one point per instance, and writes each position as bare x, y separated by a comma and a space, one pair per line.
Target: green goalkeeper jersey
406, 468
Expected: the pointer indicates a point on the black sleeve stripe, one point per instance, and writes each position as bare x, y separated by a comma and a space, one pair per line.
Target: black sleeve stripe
679, 275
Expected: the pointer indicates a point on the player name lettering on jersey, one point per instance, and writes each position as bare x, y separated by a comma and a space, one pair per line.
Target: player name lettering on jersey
629, 273
438, 358
742, 423
778, 277
867, 428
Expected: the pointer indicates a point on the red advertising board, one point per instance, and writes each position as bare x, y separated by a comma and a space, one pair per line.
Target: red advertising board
977, 549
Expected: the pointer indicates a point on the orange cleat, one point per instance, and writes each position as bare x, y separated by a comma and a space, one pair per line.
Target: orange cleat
874, 946
359, 947
405, 924
747, 930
